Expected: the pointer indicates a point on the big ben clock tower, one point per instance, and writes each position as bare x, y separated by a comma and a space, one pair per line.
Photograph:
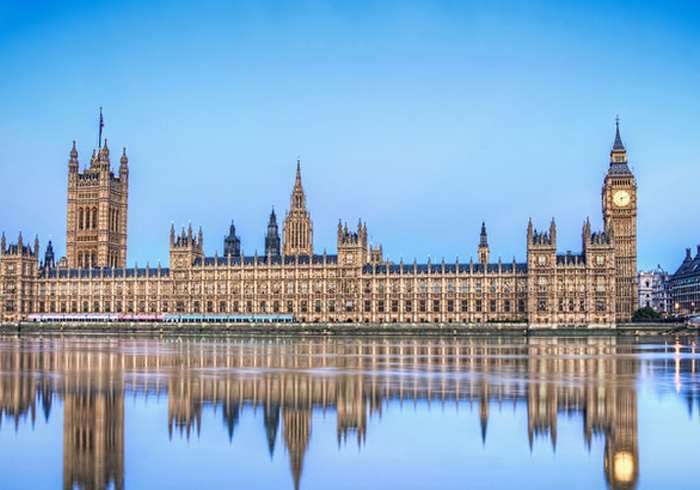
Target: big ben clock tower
620, 217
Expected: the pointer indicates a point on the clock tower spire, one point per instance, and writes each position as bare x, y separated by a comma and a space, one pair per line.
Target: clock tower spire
620, 216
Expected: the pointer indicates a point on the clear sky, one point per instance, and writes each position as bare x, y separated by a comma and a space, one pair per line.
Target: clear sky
422, 118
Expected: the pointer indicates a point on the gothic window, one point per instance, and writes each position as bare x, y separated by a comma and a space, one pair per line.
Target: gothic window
367, 287
561, 304
450, 286
303, 307
304, 288
349, 306
506, 306
331, 288
465, 306
290, 288
276, 307
436, 305
542, 284
492, 306
94, 218
408, 286
571, 304
478, 305
80, 219
331, 306
521, 286
318, 287
222, 288
210, 288
600, 304
436, 287
506, 286
450, 305
408, 306
521, 305
394, 306
368, 306
542, 304
421, 306
196, 288
380, 287
600, 284
317, 307
478, 286
465, 286
492, 286
421, 287
380, 306
395, 286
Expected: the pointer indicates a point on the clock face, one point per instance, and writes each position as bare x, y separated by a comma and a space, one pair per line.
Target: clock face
621, 198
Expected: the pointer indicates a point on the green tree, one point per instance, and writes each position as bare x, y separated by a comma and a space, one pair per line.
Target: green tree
645, 314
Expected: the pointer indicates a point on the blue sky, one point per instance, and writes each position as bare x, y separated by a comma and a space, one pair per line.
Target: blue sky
422, 118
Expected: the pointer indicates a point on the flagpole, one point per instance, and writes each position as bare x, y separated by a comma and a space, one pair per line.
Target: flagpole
101, 125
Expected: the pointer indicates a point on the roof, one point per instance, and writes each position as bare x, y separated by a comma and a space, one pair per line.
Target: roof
689, 268
105, 272
438, 268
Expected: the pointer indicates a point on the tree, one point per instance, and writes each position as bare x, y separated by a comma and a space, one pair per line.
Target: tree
645, 314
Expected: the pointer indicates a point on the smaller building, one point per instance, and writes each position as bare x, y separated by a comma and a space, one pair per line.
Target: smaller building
685, 285
654, 290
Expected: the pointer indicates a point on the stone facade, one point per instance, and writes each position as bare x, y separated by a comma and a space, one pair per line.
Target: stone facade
355, 285
654, 290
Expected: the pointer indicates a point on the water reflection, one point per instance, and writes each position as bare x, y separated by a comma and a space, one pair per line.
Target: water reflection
287, 380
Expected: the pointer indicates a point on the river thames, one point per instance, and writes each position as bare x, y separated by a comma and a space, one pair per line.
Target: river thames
313, 412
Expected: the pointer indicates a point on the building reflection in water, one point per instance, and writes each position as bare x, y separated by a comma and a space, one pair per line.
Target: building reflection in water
289, 380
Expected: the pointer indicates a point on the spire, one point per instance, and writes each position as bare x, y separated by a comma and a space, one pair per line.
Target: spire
124, 160
483, 240
617, 145
105, 151
74, 154
298, 179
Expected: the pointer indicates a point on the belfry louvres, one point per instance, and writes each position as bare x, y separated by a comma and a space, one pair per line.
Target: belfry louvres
596, 287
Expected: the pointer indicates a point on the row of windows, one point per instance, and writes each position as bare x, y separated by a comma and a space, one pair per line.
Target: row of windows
278, 306
570, 305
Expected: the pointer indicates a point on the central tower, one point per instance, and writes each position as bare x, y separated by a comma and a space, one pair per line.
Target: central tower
298, 229
620, 220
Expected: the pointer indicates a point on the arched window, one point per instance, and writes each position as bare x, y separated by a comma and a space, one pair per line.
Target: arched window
94, 218
80, 218
80, 260
94, 259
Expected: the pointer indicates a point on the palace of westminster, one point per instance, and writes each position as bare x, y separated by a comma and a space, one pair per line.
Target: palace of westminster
596, 287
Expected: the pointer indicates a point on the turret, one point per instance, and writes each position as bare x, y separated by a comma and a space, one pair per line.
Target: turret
73, 161
272, 238
104, 163
185, 248
352, 247
49, 259
232, 244
124, 165
483, 245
